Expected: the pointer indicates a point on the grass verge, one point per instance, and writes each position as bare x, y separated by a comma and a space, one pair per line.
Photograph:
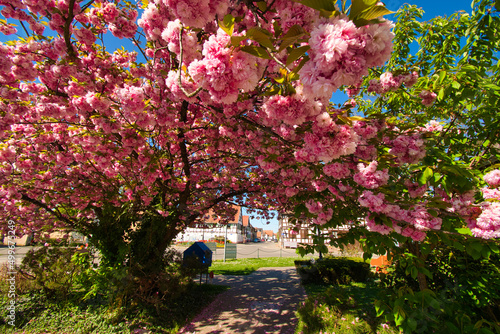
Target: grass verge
248, 266
35, 314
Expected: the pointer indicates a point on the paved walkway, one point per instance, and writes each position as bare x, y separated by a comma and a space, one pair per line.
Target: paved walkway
262, 302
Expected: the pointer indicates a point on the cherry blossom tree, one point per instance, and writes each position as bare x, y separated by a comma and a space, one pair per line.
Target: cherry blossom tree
220, 102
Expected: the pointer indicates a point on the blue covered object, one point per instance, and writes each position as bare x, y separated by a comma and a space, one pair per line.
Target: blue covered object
198, 253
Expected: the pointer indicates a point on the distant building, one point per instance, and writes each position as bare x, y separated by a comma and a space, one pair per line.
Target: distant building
292, 232
239, 230
269, 235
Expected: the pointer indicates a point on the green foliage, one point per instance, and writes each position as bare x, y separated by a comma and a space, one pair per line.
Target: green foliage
52, 270
36, 314
341, 309
63, 292
463, 292
333, 270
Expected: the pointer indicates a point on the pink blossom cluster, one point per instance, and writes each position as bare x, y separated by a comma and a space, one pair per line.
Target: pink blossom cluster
366, 132
323, 215
417, 219
422, 220
389, 82
427, 97
492, 178
291, 109
408, 148
410, 232
487, 225
491, 193
294, 13
190, 48
341, 54
415, 190
432, 126
379, 228
337, 170
154, 20
172, 82
369, 177
120, 22
374, 202
196, 13
7, 29
223, 71
334, 142
18, 10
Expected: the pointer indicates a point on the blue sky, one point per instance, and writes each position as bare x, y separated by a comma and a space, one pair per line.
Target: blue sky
433, 8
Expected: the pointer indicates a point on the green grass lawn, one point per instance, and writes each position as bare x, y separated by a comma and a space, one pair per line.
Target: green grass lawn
248, 266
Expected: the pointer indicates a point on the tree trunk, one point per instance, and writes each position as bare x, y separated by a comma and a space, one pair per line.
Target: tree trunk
414, 248
148, 244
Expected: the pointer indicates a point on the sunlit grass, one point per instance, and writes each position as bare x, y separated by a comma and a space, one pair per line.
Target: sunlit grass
248, 266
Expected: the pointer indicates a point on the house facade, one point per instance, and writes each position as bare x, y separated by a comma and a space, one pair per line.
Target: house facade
292, 232
239, 230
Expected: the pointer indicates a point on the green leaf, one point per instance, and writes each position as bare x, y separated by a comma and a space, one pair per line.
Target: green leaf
442, 75
256, 51
440, 95
370, 14
426, 272
425, 176
455, 84
293, 35
328, 13
485, 252
280, 80
273, 91
464, 230
379, 308
227, 24
319, 4
491, 86
296, 54
358, 6
457, 170
414, 272
412, 324
262, 5
261, 36
458, 246
236, 40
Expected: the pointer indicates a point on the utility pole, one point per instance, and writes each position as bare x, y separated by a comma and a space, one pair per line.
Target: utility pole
319, 234
225, 244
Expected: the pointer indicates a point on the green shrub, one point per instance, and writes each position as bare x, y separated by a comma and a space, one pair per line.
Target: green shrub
336, 310
463, 293
52, 270
333, 270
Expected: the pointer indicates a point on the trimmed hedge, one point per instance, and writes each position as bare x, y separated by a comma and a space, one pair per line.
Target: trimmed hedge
333, 270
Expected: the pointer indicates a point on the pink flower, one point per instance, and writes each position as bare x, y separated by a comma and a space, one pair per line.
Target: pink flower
337, 170
369, 177
492, 178
427, 97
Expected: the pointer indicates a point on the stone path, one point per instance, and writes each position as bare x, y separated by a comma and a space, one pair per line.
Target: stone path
262, 302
